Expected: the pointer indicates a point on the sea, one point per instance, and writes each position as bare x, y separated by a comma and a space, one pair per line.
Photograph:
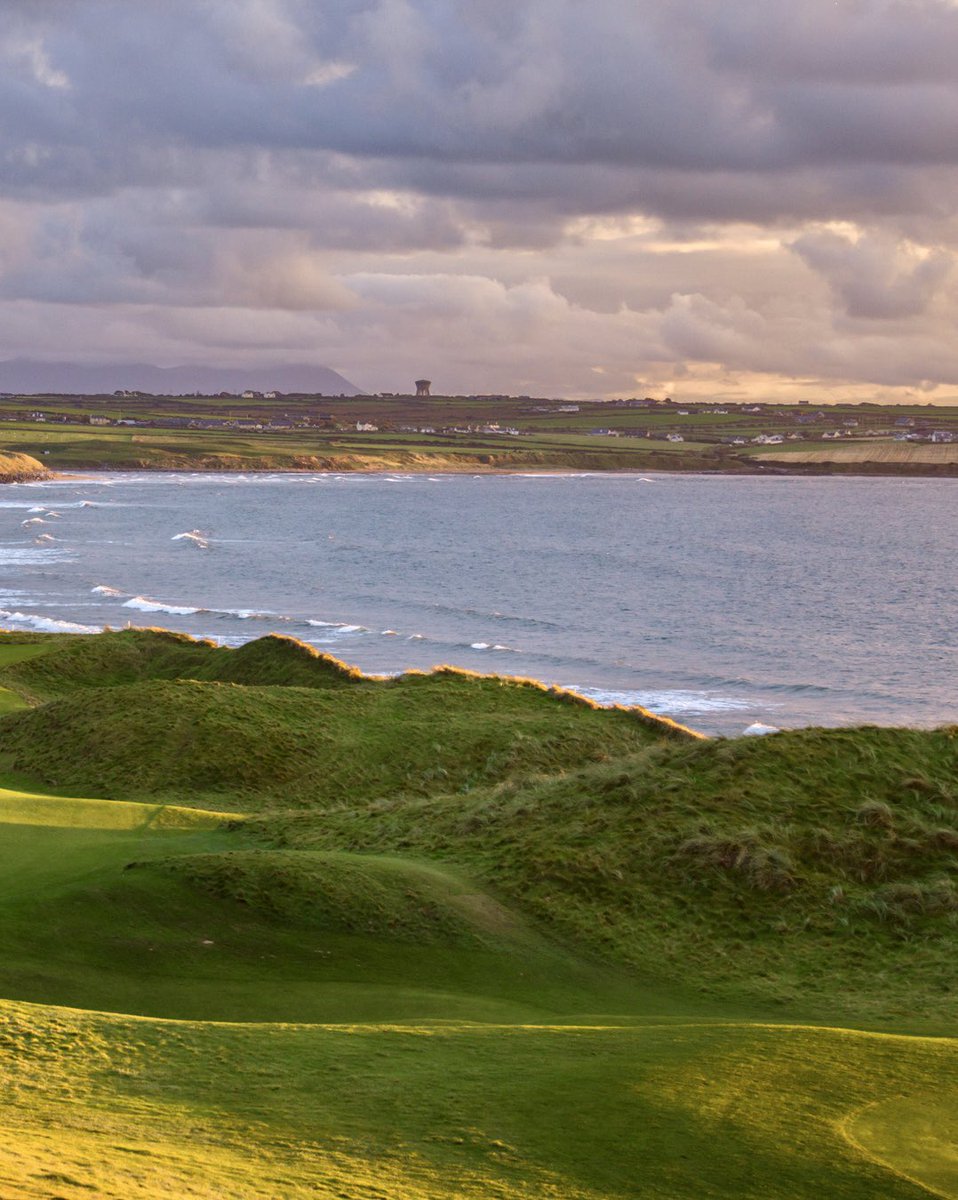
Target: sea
722, 602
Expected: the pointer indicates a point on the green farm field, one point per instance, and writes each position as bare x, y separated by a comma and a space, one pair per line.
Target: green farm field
456, 433
905, 453
270, 928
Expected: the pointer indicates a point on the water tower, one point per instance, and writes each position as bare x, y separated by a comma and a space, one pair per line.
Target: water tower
423, 386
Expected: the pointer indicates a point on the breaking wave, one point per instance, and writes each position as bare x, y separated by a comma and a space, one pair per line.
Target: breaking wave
144, 604
664, 703
19, 620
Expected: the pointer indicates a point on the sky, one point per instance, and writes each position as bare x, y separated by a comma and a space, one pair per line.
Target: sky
621, 198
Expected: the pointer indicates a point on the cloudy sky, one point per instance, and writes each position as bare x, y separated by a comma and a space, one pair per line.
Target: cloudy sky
625, 197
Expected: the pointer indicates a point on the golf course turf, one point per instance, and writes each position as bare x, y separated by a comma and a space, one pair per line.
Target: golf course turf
270, 928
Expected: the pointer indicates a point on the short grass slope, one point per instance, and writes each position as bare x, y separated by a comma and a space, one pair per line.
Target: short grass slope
127, 1109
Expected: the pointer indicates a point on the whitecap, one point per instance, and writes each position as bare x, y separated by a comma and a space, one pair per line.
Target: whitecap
194, 537
143, 604
103, 590
341, 627
390, 633
479, 646
757, 729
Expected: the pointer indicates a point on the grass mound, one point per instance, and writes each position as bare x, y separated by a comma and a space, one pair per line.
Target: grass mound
164, 911
186, 739
63, 665
800, 868
346, 893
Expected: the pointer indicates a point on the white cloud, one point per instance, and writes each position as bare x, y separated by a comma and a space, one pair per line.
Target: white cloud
876, 275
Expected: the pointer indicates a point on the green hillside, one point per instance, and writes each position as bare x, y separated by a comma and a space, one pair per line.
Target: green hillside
803, 868
324, 735
269, 928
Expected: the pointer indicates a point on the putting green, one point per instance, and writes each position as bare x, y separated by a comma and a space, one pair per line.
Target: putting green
916, 1137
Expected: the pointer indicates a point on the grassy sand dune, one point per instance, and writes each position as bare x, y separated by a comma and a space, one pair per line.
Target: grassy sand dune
801, 868
54, 665
153, 732
454, 936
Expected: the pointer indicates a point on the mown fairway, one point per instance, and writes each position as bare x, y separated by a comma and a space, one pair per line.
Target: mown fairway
447, 936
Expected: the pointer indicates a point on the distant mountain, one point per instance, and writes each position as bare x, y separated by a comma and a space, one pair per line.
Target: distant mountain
27, 377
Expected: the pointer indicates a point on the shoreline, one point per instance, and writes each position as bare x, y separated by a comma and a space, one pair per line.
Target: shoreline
36, 472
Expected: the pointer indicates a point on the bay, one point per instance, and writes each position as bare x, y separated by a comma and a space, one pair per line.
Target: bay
719, 601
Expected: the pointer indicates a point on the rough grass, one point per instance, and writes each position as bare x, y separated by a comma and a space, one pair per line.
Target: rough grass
188, 740
60, 666
801, 868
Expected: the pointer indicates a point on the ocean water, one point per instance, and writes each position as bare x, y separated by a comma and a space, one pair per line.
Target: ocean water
718, 601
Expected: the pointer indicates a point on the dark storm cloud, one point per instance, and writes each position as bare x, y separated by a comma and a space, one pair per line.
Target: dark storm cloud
692, 86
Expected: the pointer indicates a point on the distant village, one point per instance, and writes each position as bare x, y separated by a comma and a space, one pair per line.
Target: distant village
807, 424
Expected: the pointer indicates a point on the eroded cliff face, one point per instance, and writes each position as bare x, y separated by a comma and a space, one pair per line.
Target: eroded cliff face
19, 468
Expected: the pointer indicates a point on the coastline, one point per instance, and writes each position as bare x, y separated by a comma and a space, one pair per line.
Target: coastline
21, 468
